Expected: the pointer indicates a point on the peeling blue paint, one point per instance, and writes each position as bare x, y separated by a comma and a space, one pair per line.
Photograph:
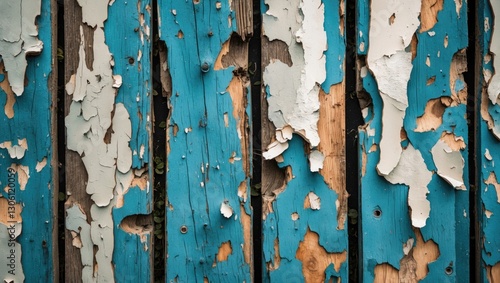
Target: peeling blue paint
280, 225
488, 207
335, 52
130, 43
448, 225
32, 121
205, 164
285, 227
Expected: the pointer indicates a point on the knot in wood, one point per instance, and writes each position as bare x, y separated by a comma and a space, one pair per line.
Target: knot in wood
312, 264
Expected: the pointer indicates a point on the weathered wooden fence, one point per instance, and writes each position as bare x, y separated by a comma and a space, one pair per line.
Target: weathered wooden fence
210, 141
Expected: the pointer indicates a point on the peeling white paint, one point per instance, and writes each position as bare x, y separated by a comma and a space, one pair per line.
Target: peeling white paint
18, 38
314, 200
316, 159
76, 221
487, 155
412, 171
294, 89
100, 131
15, 151
488, 213
40, 165
458, 5
449, 164
226, 210
274, 150
391, 66
494, 83
408, 246
285, 134
23, 175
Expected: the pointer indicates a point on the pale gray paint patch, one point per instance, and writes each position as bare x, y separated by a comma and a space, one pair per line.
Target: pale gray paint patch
76, 221
412, 171
391, 65
15, 151
18, 38
449, 164
100, 131
294, 89
494, 83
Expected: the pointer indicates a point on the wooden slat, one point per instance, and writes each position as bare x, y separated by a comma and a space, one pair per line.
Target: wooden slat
304, 211
414, 145
28, 143
487, 142
108, 122
208, 218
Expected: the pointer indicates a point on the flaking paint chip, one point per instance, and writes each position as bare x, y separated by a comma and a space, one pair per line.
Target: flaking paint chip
226, 210
275, 149
449, 164
314, 200
316, 159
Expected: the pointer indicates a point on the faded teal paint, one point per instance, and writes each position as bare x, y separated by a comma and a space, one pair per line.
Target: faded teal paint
382, 237
487, 144
280, 225
200, 176
130, 43
334, 14
32, 120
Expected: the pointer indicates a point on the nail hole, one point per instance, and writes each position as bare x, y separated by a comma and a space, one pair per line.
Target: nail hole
130, 60
377, 212
448, 270
184, 229
204, 67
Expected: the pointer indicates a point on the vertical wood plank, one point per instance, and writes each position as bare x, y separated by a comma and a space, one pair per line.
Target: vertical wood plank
413, 148
108, 107
208, 210
303, 130
488, 207
28, 142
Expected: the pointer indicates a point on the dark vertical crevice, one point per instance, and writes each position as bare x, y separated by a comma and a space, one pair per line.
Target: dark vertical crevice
353, 120
159, 165
472, 81
255, 72
61, 144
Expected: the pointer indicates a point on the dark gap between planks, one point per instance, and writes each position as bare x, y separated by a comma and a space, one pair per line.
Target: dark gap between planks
473, 119
160, 114
353, 111
61, 142
255, 72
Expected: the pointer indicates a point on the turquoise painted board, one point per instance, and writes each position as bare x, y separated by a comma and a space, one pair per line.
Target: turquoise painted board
305, 200
488, 205
413, 147
109, 125
208, 214
27, 152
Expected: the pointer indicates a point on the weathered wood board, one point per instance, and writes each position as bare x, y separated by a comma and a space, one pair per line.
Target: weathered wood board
413, 148
488, 135
303, 138
28, 150
108, 129
208, 213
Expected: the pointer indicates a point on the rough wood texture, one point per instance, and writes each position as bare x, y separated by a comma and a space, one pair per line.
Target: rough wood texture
488, 204
28, 153
298, 245
414, 192
75, 173
208, 217
110, 227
